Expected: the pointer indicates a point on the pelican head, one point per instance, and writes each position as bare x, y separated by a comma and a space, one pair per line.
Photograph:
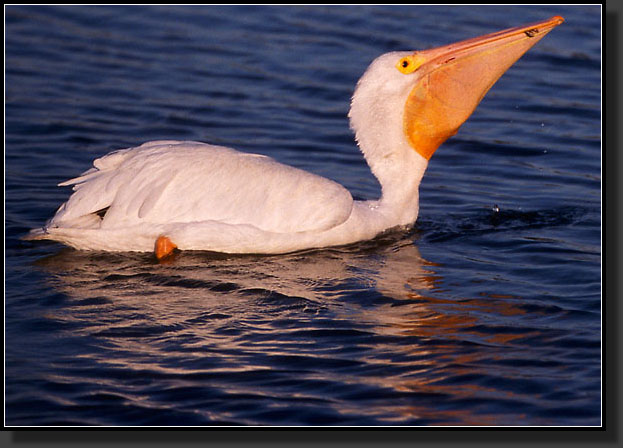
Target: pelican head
408, 103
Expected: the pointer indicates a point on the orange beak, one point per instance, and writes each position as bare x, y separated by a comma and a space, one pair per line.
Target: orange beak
454, 78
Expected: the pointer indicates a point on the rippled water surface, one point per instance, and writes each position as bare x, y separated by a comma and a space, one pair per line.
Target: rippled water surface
488, 312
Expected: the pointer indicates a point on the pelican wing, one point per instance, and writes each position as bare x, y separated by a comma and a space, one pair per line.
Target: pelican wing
167, 182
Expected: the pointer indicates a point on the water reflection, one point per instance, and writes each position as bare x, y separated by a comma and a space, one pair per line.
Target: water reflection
365, 331
200, 281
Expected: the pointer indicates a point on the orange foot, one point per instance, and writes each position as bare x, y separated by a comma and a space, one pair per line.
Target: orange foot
163, 247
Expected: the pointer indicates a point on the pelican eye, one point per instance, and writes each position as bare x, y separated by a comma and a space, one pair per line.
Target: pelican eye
408, 64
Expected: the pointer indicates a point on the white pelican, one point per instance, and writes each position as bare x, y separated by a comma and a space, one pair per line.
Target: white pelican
188, 195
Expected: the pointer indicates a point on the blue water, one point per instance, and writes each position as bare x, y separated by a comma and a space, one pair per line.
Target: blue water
488, 312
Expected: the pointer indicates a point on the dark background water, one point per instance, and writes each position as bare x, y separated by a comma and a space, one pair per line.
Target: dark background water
476, 317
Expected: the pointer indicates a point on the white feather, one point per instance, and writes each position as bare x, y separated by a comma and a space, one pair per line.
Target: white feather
207, 197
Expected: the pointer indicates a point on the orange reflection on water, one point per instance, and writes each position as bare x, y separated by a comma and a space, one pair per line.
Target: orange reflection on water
232, 314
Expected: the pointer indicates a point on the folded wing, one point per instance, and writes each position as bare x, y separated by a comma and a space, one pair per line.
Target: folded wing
166, 182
